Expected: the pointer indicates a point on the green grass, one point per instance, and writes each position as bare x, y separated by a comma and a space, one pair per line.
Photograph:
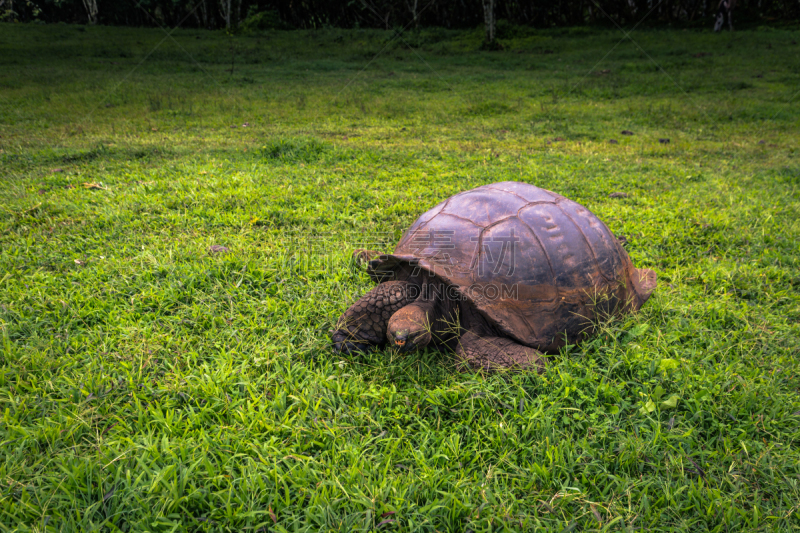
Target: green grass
148, 384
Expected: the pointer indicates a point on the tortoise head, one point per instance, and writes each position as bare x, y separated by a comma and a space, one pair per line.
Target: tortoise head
409, 328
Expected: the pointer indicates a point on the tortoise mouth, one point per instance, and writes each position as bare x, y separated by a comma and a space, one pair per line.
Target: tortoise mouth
406, 342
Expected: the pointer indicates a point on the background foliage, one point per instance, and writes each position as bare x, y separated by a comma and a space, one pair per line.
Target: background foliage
388, 14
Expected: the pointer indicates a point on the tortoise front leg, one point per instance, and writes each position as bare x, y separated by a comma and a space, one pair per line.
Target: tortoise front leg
363, 325
363, 256
497, 353
375, 262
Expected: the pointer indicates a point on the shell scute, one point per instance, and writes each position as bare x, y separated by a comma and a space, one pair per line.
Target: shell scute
439, 243
484, 207
564, 245
525, 191
599, 239
509, 255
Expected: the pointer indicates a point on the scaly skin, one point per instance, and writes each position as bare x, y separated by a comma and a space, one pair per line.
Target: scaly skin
497, 353
363, 325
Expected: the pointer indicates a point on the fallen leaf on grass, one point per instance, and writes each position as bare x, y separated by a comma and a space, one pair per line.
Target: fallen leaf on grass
618, 195
272, 515
385, 522
57, 170
596, 514
613, 141
93, 185
671, 402
217, 249
648, 407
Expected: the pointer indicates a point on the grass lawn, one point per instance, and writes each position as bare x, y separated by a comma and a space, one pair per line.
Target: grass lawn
177, 214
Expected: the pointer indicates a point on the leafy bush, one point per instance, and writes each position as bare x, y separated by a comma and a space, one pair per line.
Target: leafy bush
265, 20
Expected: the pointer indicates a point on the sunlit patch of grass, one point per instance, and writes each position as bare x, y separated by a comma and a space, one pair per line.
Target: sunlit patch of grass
165, 359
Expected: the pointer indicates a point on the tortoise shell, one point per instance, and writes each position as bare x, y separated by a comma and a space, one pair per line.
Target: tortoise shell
538, 266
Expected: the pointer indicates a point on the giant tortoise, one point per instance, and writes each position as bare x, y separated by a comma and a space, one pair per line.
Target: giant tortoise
499, 274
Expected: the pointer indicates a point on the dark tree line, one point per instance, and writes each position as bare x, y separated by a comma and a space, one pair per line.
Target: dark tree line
309, 14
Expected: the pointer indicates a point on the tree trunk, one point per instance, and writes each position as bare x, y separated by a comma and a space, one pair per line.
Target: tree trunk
91, 10
488, 17
226, 10
207, 23
197, 18
413, 7
202, 18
